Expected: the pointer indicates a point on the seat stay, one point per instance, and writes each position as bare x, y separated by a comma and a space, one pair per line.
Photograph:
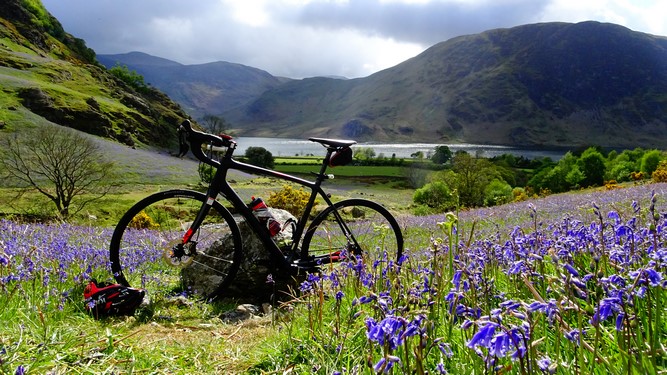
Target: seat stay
335, 144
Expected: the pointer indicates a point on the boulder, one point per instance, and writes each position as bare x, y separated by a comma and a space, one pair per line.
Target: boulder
258, 278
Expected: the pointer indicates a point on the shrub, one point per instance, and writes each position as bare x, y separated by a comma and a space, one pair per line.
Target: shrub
650, 161
130, 77
435, 194
206, 173
497, 192
660, 174
519, 194
289, 199
259, 156
422, 210
143, 221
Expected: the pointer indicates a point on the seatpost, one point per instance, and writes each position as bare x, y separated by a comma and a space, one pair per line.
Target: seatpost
325, 163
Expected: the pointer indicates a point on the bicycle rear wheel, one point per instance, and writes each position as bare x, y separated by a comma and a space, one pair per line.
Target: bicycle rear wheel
372, 232
147, 249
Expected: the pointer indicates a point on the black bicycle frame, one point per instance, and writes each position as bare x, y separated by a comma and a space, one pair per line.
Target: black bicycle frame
220, 186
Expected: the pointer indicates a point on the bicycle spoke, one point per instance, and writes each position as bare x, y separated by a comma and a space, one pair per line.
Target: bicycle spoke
147, 249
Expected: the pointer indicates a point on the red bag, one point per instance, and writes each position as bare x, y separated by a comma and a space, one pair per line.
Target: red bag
103, 299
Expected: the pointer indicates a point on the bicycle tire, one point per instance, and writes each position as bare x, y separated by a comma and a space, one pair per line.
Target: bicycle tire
141, 250
364, 218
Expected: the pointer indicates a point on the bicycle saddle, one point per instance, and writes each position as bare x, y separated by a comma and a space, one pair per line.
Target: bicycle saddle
333, 143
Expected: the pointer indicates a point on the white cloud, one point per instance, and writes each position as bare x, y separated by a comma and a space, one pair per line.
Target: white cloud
639, 15
301, 38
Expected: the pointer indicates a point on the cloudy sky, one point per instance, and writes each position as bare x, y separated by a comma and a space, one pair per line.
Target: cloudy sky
304, 38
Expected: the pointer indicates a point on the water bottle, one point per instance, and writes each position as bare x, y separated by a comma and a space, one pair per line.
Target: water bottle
261, 211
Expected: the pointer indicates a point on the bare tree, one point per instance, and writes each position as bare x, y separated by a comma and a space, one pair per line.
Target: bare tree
60, 163
214, 124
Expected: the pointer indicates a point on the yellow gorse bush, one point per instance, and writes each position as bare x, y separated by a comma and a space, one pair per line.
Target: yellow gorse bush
289, 199
143, 221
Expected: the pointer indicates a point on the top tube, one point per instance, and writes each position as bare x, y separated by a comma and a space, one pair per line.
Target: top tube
197, 139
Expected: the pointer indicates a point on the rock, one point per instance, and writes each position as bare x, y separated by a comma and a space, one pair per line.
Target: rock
242, 312
252, 282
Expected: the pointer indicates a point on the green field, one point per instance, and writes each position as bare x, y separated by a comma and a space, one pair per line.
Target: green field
344, 171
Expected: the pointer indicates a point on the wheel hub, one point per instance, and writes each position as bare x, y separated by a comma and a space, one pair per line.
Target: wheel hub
178, 254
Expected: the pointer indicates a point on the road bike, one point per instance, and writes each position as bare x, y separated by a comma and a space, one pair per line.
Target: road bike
169, 231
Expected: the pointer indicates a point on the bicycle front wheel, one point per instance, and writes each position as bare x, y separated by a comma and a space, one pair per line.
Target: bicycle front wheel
147, 249
354, 227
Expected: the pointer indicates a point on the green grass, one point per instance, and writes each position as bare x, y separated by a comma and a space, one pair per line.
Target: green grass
47, 332
298, 160
345, 171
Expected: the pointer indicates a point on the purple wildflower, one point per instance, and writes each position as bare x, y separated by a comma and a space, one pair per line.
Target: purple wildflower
571, 270
484, 336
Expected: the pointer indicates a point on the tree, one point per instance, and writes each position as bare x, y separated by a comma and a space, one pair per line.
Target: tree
592, 165
650, 161
214, 124
442, 155
60, 163
259, 156
473, 174
364, 153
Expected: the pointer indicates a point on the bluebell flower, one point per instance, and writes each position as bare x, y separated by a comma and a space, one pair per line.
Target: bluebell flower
445, 349
606, 309
380, 365
385, 364
574, 336
571, 270
614, 215
623, 230
654, 277
305, 287
484, 336
619, 321
366, 299
456, 280
510, 305
544, 364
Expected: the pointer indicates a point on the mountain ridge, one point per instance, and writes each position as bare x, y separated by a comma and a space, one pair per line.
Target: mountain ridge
481, 89
208, 88
541, 85
551, 84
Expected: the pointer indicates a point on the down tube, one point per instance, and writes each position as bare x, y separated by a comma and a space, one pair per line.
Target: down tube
313, 186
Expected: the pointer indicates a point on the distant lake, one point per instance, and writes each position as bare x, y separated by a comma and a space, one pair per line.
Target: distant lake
301, 147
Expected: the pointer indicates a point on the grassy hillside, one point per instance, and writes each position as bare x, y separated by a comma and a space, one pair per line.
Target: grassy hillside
47, 73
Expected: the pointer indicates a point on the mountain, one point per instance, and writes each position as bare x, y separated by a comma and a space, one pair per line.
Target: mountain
211, 88
48, 75
540, 85
551, 85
